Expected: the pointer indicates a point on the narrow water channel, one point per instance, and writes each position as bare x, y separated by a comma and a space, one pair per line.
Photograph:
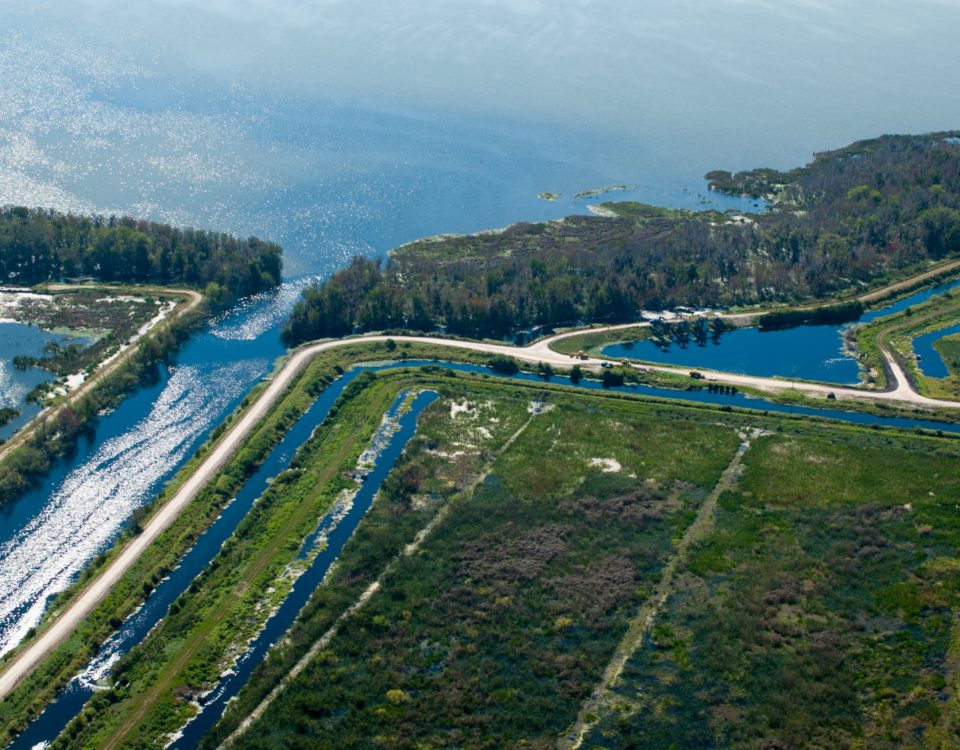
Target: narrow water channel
335, 531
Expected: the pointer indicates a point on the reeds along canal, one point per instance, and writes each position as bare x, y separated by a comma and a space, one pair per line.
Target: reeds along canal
324, 546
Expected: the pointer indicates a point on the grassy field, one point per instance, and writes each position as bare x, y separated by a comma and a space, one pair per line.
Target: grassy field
819, 614
819, 606
498, 627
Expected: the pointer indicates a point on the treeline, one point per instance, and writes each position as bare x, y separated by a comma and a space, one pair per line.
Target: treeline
845, 312
852, 218
38, 245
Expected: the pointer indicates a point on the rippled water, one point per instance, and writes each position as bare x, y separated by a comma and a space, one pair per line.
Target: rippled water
84, 512
255, 316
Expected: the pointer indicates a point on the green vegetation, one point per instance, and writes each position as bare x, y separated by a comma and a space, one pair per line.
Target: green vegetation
895, 334
504, 365
38, 246
819, 613
35, 692
495, 629
949, 348
854, 218
595, 192
8, 414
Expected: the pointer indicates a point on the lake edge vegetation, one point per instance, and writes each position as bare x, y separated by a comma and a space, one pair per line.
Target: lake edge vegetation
853, 219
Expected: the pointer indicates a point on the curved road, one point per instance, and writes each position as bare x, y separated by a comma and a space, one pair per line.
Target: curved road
64, 625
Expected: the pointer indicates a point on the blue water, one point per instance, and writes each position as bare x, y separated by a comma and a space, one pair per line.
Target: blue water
17, 339
931, 362
337, 534
909, 301
805, 352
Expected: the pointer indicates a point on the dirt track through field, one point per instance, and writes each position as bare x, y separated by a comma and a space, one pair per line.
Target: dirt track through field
647, 614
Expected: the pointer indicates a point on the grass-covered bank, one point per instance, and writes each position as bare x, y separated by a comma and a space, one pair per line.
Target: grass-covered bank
591, 343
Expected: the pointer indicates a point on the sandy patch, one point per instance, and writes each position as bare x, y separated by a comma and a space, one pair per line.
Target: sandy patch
10, 302
124, 298
601, 211
458, 408
455, 454
606, 465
